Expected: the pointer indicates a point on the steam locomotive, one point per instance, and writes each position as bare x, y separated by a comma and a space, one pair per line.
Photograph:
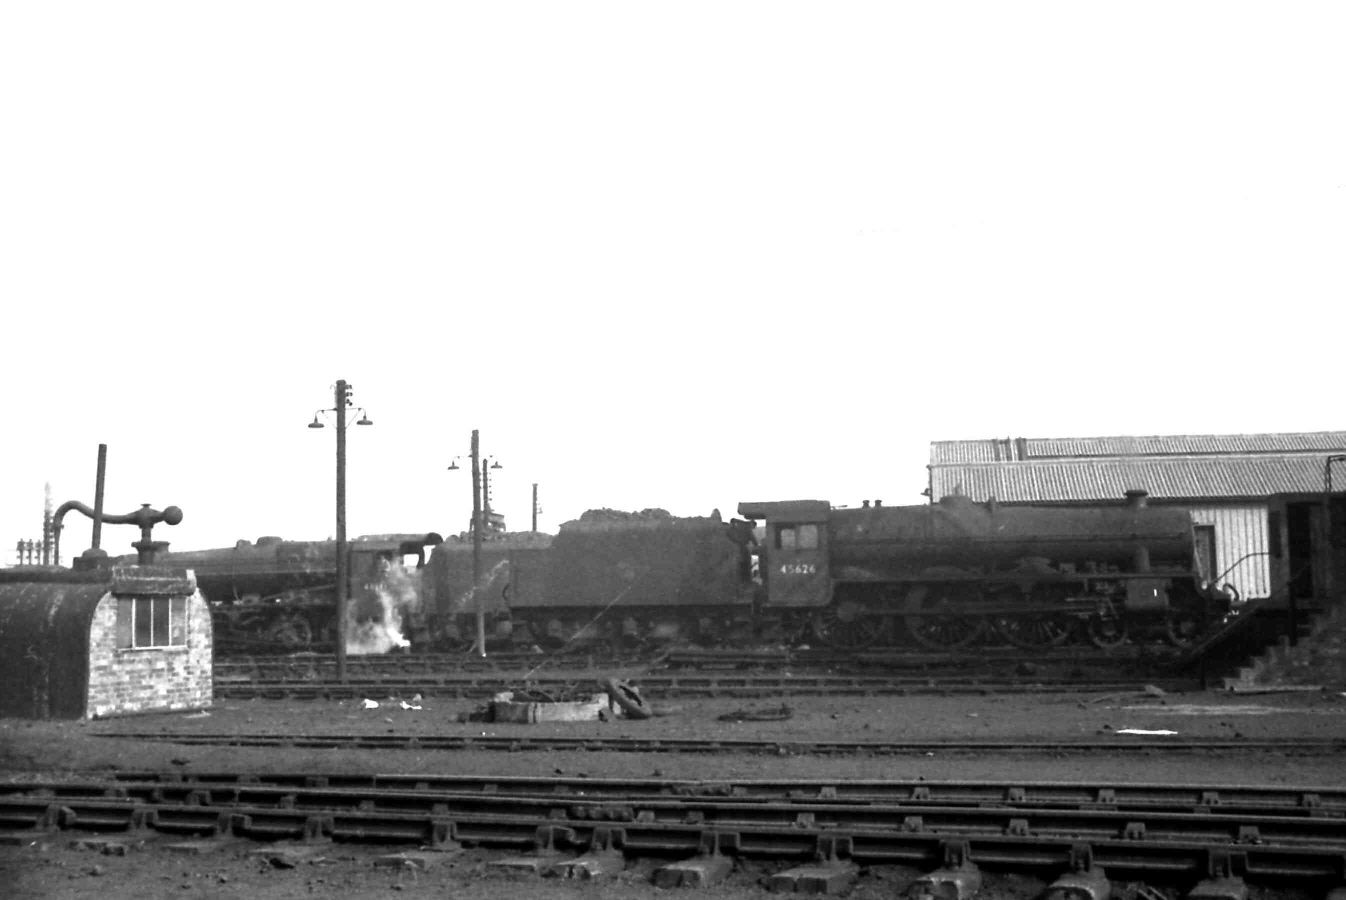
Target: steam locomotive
941, 576
282, 594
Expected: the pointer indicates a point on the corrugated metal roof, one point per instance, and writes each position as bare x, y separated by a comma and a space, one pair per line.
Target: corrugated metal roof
1173, 478
970, 451
1023, 449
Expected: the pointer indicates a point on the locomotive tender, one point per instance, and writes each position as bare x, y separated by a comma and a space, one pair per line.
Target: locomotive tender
608, 577
943, 576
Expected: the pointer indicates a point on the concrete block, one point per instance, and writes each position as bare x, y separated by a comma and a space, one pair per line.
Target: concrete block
192, 848
102, 845
829, 878
287, 856
1092, 884
590, 865
1230, 888
961, 883
700, 871
523, 865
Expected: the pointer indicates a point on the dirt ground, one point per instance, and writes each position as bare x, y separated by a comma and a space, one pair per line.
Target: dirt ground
50, 868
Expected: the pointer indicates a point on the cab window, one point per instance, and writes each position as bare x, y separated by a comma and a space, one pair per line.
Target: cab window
797, 537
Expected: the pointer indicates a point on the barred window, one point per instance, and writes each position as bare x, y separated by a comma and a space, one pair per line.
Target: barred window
151, 622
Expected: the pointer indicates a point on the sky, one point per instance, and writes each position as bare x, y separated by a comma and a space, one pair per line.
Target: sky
659, 255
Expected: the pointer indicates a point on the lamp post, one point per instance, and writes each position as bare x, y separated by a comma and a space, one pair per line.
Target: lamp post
481, 509
341, 406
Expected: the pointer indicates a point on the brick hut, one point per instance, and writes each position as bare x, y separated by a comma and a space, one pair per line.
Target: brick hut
85, 644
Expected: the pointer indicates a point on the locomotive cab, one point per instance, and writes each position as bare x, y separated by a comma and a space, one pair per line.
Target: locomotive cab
794, 554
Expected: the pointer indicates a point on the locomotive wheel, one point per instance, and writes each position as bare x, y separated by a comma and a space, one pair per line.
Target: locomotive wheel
940, 616
1106, 629
290, 631
1181, 628
1036, 631
846, 626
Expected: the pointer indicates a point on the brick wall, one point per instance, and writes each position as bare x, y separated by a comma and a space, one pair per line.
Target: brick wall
131, 681
1318, 659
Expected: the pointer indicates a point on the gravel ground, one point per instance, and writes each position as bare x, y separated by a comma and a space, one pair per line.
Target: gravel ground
52, 869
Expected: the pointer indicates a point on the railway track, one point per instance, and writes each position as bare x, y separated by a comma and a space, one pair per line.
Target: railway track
1315, 801
513, 743
688, 674
1147, 831
323, 665
666, 686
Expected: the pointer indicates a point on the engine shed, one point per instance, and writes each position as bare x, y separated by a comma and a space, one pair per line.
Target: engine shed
1264, 521
106, 642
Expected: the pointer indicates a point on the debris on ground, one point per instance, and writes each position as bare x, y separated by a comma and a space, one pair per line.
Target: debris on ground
771, 714
619, 699
626, 696
504, 708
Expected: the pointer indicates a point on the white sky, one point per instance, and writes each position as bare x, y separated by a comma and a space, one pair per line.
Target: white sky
677, 255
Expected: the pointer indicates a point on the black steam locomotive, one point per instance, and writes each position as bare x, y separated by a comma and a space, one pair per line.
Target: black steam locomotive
953, 573
941, 576
282, 594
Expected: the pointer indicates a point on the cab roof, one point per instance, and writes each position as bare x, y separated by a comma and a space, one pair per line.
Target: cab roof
791, 510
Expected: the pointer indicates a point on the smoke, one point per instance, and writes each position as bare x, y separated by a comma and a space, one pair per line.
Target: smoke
396, 595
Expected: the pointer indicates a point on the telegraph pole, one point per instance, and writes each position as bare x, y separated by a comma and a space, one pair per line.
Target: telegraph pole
342, 402
476, 545
342, 399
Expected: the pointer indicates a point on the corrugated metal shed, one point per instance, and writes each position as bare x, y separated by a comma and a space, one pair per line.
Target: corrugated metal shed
1240, 546
1224, 479
1029, 449
1199, 478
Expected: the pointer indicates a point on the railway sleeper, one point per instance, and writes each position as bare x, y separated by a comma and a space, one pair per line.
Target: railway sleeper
1090, 883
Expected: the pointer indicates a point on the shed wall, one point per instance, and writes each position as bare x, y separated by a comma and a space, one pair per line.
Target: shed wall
1240, 546
145, 680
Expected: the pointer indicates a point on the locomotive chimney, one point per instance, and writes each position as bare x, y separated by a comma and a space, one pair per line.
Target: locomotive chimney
878, 503
864, 504
1137, 499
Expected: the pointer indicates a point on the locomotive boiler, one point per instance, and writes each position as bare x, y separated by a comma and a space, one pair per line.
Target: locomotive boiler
282, 594
949, 574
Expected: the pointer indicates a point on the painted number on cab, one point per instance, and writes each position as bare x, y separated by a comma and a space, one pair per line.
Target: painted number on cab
799, 569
